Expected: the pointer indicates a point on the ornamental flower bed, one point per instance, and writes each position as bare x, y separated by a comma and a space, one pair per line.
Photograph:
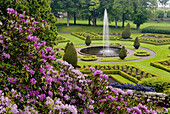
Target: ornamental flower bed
34, 81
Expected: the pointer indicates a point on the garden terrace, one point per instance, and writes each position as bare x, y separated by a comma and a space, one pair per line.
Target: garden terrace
151, 39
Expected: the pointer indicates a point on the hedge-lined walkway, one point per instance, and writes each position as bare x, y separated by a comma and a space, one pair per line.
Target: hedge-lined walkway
130, 53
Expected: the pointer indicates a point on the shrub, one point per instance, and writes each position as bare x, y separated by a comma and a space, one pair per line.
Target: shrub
126, 33
123, 53
156, 29
88, 58
70, 55
88, 41
160, 84
136, 43
141, 53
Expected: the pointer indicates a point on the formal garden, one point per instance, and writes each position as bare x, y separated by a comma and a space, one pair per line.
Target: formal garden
85, 62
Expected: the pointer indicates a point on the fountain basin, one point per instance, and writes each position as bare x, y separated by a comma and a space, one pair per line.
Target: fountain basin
101, 51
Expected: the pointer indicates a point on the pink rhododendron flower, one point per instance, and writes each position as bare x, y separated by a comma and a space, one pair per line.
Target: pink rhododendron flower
33, 81
32, 72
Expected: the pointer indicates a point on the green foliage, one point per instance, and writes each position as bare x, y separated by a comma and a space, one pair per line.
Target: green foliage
39, 9
162, 64
168, 14
159, 13
88, 41
66, 47
126, 33
88, 58
156, 29
136, 43
160, 84
70, 55
123, 53
141, 53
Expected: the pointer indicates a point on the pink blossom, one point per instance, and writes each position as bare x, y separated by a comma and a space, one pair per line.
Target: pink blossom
32, 72
26, 67
50, 93
1, 41
48, 48
33, 81
21, 15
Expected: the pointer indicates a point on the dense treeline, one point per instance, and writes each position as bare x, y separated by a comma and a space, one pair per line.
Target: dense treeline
139, 11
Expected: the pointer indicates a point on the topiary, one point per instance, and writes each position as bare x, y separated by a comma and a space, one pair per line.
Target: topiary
126, 33
88, 40
136, 43
70, 55
123, 53
66, 47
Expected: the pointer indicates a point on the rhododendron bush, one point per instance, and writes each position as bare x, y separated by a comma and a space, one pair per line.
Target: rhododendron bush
33, 80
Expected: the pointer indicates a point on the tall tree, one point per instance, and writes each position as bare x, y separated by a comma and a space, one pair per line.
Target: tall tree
93, 8
163, 3
116, 11
68, 6
142, 11
122, 7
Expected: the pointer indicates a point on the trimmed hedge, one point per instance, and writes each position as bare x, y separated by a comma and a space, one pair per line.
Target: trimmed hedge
141, 53
88, 58
160, 64
156, 29
116, 79
115, 44
129, 72
93, 36
61, 39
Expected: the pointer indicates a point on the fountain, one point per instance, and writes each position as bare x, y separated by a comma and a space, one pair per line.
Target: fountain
105, 50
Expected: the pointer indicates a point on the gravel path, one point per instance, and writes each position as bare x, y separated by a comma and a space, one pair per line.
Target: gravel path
130, 53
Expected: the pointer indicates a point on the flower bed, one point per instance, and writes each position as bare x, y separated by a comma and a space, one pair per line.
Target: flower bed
137, 87
88, 58
162, 64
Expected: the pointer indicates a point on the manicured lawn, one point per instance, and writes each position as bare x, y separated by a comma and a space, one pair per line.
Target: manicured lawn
124, 80
161, 53
83, 26
118, 59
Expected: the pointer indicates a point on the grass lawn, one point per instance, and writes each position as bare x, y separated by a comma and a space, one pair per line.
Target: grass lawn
82, 26
118, 59
161, 51
123, 80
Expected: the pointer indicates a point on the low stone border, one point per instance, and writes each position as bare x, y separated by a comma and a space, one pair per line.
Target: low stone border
161, 98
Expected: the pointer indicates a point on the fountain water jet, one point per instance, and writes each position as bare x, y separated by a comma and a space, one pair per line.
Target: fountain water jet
105, 50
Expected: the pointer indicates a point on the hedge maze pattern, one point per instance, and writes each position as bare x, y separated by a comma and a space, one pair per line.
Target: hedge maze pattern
131, 73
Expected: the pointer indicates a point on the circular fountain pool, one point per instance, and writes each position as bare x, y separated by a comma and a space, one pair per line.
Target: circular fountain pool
101, 51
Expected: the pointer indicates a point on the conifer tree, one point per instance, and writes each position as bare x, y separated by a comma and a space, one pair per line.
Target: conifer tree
126, 33
70, 55
88, 41
136, 43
